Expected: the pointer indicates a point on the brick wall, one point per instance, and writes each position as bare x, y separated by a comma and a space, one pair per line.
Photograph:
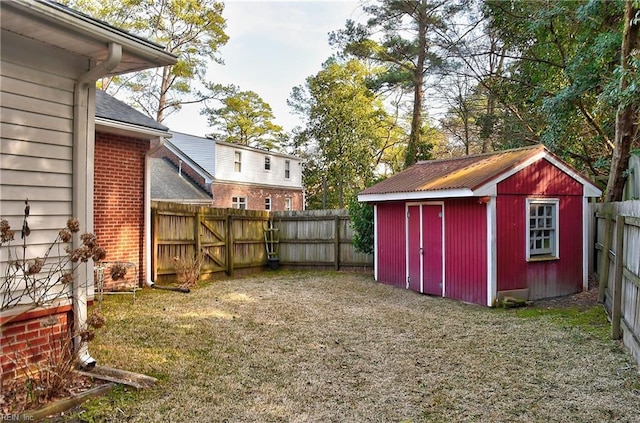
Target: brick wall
30, 338
119, 203
224, 192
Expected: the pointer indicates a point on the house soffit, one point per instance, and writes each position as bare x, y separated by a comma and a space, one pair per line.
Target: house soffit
58, 26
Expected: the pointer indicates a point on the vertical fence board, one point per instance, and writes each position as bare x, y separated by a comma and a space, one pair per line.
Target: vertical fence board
623, 275
232, 239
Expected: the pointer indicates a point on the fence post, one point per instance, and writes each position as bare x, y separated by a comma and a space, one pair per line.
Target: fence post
230, 245
336, 243
196, 232
604, 260
154, 245
616, 312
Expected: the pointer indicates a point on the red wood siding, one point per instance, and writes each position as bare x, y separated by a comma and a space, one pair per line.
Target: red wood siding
119, 202
540, 178
546, 278
391, 244
466, 250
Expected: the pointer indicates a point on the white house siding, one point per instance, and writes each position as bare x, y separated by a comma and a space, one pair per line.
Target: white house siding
252, 169
36, 124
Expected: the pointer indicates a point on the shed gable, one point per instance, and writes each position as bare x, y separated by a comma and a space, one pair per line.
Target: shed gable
540, 178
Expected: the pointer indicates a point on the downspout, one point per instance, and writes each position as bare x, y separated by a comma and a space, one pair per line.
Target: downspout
147, 220
82, 206
147, 209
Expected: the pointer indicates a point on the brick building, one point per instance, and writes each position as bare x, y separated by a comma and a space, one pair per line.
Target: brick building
236, 175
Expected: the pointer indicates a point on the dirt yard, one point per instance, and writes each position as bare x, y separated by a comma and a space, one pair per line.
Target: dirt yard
338, 347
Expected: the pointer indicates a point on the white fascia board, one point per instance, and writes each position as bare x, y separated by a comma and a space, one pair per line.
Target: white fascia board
491, 187
113, 126
416, 195
208, 178
151, 51
590, 190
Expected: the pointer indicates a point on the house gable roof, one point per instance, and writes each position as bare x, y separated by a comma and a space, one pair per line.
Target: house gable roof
169, 185
469, 176
199, 152
110, 108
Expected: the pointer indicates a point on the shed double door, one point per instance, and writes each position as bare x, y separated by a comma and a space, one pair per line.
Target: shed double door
425, 248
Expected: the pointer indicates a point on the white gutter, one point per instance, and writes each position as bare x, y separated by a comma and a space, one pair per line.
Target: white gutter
82, 206
147, 209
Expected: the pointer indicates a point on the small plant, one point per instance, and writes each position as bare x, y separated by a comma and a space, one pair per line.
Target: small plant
47, 368
188, 269
52, 376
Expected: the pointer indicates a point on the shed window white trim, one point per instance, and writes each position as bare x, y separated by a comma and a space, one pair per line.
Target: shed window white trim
542, 229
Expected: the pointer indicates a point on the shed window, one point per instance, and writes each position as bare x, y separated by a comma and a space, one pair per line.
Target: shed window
239, 202
542, 229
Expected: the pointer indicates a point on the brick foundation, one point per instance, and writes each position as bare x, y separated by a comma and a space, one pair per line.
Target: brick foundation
30, 338
119, 204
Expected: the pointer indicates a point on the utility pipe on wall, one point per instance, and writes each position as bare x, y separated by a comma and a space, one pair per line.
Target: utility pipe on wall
82, 197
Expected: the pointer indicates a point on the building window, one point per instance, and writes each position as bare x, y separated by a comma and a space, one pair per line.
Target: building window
287, 169
267, 203
238, 162
287, 203
542, 229
267, 163
239, 202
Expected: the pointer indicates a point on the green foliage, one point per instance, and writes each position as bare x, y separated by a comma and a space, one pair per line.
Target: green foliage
361, 215
346, 133
560, 81
244, 118
193, 30
406, 39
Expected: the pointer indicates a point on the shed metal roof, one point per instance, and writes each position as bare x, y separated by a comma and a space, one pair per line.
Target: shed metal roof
464, 176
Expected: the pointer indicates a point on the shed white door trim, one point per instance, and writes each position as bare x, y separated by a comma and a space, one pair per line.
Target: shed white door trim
416, 244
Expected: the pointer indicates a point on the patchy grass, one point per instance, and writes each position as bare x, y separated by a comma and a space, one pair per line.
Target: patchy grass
334, 347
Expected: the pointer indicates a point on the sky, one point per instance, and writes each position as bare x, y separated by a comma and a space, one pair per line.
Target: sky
273, 46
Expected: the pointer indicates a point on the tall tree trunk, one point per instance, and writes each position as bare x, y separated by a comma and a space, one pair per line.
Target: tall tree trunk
418, 91
626, 118
162, 98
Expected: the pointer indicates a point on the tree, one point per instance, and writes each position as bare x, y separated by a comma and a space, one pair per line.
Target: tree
345, 129
244, 118
193, 30
628, 113
555, 82
406, 37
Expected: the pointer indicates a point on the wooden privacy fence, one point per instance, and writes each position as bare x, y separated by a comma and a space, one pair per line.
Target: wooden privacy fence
233, 240
617, 244
318, 238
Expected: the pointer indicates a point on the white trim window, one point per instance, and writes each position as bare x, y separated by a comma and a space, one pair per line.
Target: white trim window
237, 164
287, 203
267, 164
239, 202
542, 229
267, 203
287, 169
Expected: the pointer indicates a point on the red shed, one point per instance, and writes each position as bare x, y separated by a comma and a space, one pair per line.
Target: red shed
481, 227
